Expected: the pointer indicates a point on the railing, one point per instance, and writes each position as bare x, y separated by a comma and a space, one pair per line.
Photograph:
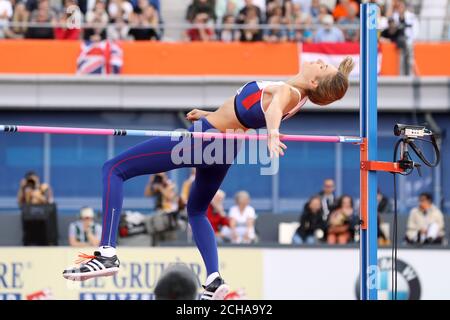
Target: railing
430, 28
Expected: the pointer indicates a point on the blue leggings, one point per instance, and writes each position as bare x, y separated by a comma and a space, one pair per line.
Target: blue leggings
154, 156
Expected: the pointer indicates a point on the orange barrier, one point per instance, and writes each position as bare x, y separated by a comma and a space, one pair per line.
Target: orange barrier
432, 58
159, 58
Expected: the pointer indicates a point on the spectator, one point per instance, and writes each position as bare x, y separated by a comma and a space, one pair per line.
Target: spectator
227, 7
6, 13
251, 31
200, 30
218, 218
67, 28
312, 226
341, 10
177, 282
328, 197
425, 222
227, 32
329, 32
85, 232
144, 25
118, 29
32, 191
299, 24
408, 24
42, 15
96, 21
341, 222
315, 9
350, 24
383, 203
119, 9
252, 9
277, 31
164, 191
242, 219
200, 6
323, 12
19, 20
393, 34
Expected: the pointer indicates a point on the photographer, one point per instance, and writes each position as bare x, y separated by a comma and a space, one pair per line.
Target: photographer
32, 191
160, 187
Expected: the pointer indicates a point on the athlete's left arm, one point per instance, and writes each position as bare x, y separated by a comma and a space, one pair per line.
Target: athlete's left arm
281, 96
196, 114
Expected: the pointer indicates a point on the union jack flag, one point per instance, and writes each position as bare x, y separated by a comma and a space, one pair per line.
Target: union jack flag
104, 57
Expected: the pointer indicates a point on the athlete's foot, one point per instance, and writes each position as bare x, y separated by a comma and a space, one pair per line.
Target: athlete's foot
216, 290
95, 266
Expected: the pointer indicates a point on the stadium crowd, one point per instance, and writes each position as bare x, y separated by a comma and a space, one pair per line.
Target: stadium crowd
221, 20
325, 217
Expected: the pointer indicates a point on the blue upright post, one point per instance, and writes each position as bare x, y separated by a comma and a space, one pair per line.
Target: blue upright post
368, 131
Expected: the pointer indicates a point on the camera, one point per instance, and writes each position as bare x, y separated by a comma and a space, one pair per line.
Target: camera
411, 131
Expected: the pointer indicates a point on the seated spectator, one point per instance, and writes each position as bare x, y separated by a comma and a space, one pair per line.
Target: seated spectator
350, 24
328, 197
242, 219
118, 29
200, 31
383, 206
144, 24
299, 23
6, 12
42, 15
228, 32
341, 222
256, 12
227, 7
19, 21
312, 227
324, 11
96, 23
119, 8
277, 31
69, 22
200, 6
314, 10
329, 32
85, 232
32, 191
218, 218
341, 10
251, 31
425, 222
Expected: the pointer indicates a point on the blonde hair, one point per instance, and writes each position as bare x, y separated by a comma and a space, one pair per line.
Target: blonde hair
332, 88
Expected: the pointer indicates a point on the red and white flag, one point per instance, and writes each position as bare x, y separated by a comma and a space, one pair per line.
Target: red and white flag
333, 53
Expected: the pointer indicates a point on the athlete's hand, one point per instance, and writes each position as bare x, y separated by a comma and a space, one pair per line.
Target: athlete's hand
196, 114
275, 146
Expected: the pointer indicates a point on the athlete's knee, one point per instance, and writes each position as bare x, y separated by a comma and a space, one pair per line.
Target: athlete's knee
110, 167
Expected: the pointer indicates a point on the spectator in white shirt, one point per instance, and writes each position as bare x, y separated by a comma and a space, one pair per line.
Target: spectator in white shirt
6, 12
85, 232
242, 219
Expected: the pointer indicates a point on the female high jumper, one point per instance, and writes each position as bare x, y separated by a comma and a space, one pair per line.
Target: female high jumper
257, 104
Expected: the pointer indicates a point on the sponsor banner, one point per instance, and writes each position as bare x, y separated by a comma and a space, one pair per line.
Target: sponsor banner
334, 274
36, 273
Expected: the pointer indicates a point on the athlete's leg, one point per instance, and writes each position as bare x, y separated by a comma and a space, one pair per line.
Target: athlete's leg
149, 157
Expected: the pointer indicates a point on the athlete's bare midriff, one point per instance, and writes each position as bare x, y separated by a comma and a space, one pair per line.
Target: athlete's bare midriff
225, 118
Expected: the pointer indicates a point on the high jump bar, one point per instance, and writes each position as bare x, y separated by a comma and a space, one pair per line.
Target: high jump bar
175, 134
